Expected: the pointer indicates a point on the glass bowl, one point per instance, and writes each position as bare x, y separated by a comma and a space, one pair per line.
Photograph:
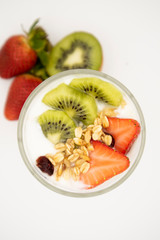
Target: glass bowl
33, 144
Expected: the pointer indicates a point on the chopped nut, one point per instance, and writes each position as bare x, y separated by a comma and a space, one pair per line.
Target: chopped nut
97, 121
59, 145
67, 152
73, 157
84, 130
76, 170
105, 122
78, 141
84, 150
61, 149
97, 135
97, 129
90, 147
60, 169
74, 176
77, 150
90, 126
69, 147
86, 158
70, 141
79, 162
107, 139
87, 136
56, 172
67, 163
101, 115
58, 157
78, 132
110, 112
84, 167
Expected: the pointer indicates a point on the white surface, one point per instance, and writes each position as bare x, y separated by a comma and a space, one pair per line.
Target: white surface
130, 36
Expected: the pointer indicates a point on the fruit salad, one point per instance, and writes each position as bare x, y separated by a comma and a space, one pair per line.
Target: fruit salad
90, 139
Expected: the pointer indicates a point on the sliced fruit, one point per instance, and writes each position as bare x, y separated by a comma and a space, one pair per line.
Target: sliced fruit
101, 90
56, 126
124, 131
19, 91
75, 103
105, 164
77, 50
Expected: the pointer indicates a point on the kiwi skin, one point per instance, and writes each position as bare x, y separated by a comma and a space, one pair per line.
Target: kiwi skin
77, 104
101, 90
56, 125
86, 43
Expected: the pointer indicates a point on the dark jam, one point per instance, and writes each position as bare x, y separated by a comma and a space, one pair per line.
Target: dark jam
45, 165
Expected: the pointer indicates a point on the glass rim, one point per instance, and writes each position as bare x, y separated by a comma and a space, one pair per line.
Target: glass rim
20, 132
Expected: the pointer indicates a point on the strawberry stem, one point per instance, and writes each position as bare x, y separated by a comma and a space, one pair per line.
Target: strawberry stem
33, 25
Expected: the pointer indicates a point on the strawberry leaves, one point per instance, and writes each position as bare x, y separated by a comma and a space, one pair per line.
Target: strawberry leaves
38, 40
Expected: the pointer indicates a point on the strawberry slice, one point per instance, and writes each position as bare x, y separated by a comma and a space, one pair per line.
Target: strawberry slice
105, 163
124, 131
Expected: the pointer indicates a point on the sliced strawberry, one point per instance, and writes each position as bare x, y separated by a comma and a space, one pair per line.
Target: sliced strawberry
105, 163
20, 89
124, 132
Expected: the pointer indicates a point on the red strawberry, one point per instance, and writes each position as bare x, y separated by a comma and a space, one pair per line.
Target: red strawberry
16, 56
20, 89
124, 132
105, 163
20, 52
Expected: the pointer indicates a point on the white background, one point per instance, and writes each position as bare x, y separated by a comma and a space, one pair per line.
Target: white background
129, 32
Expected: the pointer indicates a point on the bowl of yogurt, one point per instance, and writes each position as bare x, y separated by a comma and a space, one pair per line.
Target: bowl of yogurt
33, 143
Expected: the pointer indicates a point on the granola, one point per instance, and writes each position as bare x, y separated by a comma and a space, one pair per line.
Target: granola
72, 157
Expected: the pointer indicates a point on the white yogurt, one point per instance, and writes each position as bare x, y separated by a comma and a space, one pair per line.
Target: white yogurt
36, 144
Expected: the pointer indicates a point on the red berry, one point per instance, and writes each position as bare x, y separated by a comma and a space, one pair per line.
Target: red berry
16, 57
20, 89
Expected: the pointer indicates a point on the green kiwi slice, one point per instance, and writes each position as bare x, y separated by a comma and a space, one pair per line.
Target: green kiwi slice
77, 50
56, 125
101, 90
75, 103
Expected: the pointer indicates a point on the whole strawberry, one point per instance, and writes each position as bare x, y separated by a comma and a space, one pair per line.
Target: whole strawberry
20, 53
16, 57
20, 89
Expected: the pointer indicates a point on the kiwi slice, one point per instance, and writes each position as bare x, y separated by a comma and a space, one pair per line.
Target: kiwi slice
75, 103
77, 50
98, 88
56, 125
